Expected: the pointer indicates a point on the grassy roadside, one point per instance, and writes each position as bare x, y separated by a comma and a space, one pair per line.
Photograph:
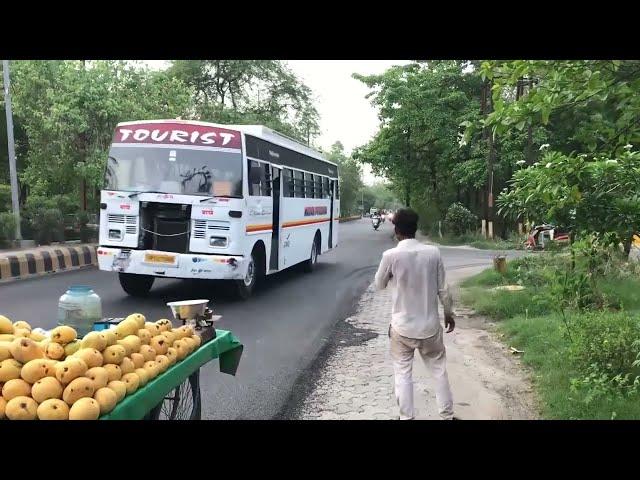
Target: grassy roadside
478, 241
546, 351
582, 361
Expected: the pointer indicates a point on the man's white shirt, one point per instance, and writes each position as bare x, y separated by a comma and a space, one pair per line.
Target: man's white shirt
416, 274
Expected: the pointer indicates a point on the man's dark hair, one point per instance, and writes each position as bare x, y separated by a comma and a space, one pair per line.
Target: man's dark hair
406, 222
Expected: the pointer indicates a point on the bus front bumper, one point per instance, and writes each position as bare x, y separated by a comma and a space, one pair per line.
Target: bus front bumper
172, 265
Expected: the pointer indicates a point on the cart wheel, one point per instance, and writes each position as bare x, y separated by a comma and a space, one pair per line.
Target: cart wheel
183, 403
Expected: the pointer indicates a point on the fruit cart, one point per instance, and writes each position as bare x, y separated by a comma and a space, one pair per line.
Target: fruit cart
125, 369
175, 395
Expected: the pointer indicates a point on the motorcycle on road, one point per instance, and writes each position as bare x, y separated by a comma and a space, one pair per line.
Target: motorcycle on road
375, 222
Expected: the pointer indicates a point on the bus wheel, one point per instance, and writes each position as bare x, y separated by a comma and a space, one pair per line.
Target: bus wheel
309, 265
246, 286
136, 285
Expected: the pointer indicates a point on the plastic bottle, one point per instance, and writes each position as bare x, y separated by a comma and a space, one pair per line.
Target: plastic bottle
80, 307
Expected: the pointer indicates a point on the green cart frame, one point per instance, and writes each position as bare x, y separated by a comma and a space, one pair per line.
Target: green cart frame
175, 394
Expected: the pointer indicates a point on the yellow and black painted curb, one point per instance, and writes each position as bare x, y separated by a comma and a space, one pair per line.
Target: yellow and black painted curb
46, 260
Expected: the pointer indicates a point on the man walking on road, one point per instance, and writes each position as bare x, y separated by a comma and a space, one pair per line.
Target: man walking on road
417, 277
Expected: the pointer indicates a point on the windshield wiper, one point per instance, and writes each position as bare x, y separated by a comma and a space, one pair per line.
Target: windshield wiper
219, 196
145, 191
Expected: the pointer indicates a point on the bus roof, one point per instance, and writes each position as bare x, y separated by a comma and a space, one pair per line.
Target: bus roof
259, 131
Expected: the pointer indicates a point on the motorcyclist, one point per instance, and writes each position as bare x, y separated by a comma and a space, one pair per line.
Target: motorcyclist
376, 220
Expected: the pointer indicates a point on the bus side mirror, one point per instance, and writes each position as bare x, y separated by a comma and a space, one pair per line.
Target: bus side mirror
255, 175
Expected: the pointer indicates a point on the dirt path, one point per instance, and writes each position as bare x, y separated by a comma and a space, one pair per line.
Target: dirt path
356, 378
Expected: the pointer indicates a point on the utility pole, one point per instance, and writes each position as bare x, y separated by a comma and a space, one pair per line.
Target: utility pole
83, 185
12, 150
487, 107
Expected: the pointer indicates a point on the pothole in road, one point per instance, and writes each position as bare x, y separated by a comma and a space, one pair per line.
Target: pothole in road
348, 335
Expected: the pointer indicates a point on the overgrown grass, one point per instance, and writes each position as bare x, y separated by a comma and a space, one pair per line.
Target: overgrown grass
578, 358
546, 350
490, 278
501, 305
625, 292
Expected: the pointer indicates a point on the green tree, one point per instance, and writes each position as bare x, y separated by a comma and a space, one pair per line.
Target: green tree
421, 107
592, 106
588, 112
69, 111
250, 91
586, 194
350, 179
381, 196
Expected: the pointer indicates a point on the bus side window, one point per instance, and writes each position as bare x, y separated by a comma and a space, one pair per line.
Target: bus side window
267, 187
337, 183
287, 182
259, 187
325, 188
309, 185
318, 187
298, 184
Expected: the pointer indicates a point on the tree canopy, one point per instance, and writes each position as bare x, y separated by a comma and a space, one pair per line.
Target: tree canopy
65, 111
457, 131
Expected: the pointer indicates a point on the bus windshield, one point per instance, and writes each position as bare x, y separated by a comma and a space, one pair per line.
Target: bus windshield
174, 170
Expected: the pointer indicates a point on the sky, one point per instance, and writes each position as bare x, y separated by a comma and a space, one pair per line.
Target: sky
345, 114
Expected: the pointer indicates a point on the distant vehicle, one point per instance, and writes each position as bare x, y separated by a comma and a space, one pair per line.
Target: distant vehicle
540, 234
373, 211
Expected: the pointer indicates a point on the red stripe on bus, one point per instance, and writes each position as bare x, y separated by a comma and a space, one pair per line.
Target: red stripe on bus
258, 228
303, 222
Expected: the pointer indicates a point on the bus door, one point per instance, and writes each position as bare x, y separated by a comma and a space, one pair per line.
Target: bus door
335, 212
331, 196
276, 185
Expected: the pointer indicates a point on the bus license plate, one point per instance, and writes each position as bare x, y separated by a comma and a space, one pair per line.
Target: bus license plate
159, 259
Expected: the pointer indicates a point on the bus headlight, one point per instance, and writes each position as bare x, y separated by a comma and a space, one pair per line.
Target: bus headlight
219, 242
115, 234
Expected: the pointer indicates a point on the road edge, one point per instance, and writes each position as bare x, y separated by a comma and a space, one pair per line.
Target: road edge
43, 261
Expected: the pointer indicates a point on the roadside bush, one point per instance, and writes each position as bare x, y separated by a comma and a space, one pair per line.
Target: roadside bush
459, 219
25, 226
605, 341
86, 233
65, 203
7, 229
47, 225
535, 271
605, 351
5, 198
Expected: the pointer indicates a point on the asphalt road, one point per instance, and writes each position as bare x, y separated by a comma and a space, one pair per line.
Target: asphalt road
283, 327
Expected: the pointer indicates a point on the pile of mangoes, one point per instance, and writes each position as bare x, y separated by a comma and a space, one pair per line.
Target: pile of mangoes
61, 377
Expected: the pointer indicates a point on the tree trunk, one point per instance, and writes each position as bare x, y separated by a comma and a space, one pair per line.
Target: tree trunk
627, 244
408, 179
434, 180
529, 149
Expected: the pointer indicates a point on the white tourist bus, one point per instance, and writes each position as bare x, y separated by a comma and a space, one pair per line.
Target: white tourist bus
187, 199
